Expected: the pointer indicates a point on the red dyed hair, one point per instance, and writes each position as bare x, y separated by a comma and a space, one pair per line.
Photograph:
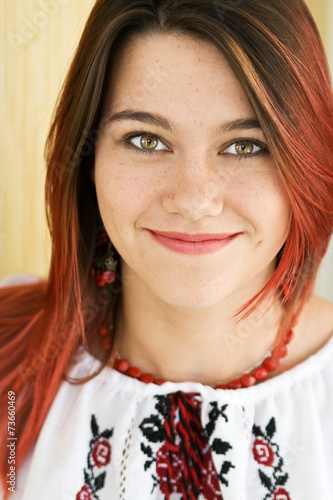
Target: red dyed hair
275, 51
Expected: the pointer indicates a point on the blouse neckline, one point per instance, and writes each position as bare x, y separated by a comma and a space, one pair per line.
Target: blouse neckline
85, 364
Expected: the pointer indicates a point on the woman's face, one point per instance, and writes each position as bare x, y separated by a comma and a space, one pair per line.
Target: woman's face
187, 191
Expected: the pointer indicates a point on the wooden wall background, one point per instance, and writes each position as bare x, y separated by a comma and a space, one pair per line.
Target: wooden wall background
37, 41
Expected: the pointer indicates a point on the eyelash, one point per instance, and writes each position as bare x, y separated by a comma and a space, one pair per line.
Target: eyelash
133, 135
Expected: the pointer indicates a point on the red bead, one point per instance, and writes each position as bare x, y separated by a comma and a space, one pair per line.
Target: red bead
288, 338
283, 351
235, 384
121, 365
100, 281
105, 331
101, 238
134, 372
222, 386
105, 343
247, 380
109, 276
159, 381
260, 373
271, 364
148, 378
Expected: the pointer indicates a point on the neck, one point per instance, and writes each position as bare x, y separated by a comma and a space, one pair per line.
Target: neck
201, 345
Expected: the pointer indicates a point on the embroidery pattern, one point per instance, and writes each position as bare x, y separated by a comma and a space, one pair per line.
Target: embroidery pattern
267, 454
99, 456
184, 461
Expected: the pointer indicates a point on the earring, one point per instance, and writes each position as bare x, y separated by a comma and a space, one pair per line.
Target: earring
104, 265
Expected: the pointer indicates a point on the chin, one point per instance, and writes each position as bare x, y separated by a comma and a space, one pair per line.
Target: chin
193, 299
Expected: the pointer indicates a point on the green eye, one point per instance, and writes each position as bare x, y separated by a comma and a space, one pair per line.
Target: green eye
148, 142
244, 147
145, 142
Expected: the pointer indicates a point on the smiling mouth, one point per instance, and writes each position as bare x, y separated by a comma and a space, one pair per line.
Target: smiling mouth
193, 244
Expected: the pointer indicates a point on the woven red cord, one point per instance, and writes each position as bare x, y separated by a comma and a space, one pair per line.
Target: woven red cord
186, 438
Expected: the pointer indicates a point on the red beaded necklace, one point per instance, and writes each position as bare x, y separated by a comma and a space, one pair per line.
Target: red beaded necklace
259, 373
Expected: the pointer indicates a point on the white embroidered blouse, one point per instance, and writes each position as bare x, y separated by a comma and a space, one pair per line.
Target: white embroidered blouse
116, 438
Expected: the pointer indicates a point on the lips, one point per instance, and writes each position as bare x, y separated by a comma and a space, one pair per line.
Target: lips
193, 244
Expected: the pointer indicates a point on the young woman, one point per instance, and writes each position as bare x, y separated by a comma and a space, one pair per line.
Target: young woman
177, 350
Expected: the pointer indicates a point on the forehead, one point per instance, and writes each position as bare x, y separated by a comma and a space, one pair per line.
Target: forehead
180, 77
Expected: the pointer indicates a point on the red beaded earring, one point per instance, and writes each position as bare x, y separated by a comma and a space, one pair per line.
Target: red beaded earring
104, 265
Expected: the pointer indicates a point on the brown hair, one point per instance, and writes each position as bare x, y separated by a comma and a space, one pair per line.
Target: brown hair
275, 51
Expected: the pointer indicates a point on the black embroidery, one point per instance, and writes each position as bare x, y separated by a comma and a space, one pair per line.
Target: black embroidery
267, 454
218, 446
99, 456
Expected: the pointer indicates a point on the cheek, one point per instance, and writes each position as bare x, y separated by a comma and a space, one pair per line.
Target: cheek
263, 202
123, 195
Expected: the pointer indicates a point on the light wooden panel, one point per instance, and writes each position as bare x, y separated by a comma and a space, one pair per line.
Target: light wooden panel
37, 41
321, 13
38, 38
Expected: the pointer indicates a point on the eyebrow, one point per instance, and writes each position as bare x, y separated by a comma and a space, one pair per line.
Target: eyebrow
160, 121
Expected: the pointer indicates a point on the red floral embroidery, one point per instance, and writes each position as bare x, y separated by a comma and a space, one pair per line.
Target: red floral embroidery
162, 466
267, 453
281, 494
99, 456
85, 493
262, 452
174, 482
101, 453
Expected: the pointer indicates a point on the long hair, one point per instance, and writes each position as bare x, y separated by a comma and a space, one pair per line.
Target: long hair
275, 50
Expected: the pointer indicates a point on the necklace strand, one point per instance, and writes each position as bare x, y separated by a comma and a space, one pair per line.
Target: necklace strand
258, 374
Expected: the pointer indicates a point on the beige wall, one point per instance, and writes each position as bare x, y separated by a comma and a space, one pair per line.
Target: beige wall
321, 12
37, 41
38, 37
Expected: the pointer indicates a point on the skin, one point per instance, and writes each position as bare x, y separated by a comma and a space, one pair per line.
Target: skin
176, 314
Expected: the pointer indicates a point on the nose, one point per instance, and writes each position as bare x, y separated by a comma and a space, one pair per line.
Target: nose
195, 191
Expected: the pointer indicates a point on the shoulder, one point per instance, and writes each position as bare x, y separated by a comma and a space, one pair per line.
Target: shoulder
317, 319
313, 330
